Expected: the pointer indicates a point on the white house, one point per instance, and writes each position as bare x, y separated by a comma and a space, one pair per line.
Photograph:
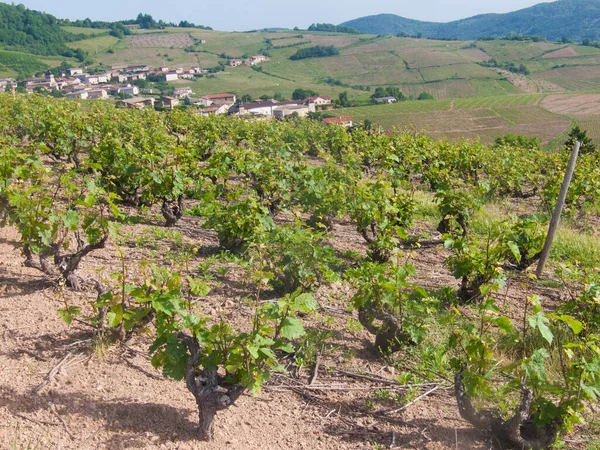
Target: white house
128, 90
82, 94
171, 76
75, 71
286, 111
182, 92
387, 100
97, 94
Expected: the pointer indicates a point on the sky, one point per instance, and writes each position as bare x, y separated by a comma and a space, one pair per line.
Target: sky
242, 15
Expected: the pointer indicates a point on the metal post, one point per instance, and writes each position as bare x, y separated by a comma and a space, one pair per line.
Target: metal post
558, 210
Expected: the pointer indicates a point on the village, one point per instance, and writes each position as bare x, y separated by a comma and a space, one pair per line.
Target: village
119, 84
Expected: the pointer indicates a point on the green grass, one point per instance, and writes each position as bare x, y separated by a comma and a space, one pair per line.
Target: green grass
498, 102
15, 63
454, 71
95, 45
575, 247
516, 51
494, 88
546, 64
591, 124
88, 31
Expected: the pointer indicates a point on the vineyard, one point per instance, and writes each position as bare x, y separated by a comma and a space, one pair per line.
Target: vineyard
177, 281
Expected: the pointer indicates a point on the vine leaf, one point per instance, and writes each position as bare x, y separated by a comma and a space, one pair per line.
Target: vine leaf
540, 321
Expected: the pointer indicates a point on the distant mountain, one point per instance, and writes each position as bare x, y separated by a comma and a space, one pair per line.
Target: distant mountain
574, 19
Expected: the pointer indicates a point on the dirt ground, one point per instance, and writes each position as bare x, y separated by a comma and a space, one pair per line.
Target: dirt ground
584, 105
527, 84
562, 53
59, 389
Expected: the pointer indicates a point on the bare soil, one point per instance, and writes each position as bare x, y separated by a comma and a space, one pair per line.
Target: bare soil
577, 105
177, 40
527, 84
60, 389
562, 53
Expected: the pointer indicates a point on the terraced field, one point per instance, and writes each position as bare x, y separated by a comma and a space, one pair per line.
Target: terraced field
471, 100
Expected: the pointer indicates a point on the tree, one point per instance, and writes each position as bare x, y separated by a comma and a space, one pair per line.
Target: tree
343, 99
246, 98
577, 134
300, 94
425, 96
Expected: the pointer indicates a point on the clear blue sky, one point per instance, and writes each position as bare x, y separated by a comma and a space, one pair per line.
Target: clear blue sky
239, 15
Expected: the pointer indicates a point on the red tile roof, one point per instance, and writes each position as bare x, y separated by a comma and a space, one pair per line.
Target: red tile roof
339, 119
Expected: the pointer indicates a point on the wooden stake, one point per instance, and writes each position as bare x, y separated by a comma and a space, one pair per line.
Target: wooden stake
558, 210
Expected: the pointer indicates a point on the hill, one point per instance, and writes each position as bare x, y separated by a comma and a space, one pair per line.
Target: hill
34, 32
574, 19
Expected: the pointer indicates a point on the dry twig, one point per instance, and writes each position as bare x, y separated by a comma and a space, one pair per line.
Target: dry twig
420, 397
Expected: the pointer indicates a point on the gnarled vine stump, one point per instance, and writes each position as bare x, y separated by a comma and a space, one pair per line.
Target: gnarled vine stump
519, 430
209, 390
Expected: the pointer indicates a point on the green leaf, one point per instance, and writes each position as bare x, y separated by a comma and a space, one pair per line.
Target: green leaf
115, 316
504, 324
305, 303
575, 325
198, 287
514, 248
268, 353
71, 220
291, 328
540, 322
68, 314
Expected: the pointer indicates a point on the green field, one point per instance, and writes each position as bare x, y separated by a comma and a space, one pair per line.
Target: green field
96, 45
87, 31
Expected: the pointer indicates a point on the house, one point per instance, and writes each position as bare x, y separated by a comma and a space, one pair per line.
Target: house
138, 68
234, 62
167, 102
171, 76
67, 83
125, 77
264, 107
320, 102
214, 109
186, 76
387, 100
137, 102
179, 70
256, 59
182, 92
128, 90
7, 83
94, 94
195, 69
217, 99
164, 69
282, 112
343, 121
75, 71
81, 94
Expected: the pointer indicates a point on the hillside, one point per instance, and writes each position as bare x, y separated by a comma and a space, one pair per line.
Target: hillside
575, 19
34, 32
